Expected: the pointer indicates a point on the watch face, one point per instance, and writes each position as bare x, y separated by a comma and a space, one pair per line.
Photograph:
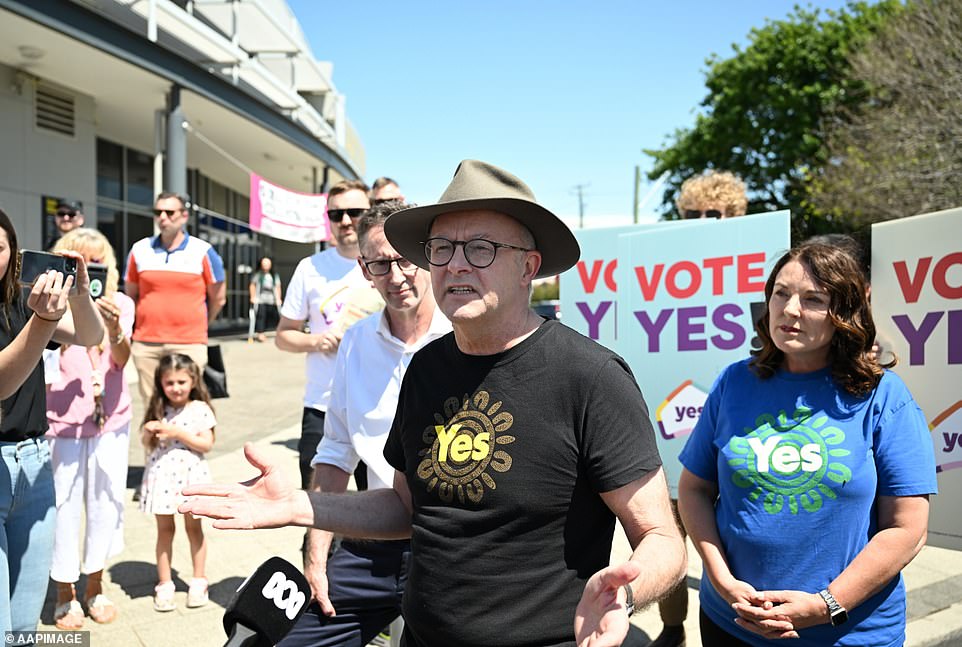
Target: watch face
839, 617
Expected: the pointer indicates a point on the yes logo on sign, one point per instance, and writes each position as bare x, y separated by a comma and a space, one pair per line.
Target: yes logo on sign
285, 595
786, 462
679, 412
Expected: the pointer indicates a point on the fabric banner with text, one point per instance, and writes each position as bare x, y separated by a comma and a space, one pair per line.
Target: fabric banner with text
288, 215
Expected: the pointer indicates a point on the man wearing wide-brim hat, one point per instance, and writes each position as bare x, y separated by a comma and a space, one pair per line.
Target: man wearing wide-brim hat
516, 441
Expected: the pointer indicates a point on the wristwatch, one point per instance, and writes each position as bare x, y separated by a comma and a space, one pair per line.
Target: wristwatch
629, 599
837, 612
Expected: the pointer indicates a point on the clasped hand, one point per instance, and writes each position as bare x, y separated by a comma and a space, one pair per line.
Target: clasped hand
774, 614
162, 430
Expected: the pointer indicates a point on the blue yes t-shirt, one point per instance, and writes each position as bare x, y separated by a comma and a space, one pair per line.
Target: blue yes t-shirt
799, 464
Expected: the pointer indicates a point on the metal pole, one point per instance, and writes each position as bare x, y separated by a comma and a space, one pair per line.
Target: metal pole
176, 177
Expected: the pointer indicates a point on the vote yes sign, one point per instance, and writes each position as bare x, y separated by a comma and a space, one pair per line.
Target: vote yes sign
917, 307
678, 301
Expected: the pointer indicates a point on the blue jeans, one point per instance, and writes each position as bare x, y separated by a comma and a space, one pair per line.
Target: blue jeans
28, 516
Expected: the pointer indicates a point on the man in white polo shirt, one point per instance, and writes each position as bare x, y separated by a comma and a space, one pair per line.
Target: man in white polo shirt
357, 593
328, 292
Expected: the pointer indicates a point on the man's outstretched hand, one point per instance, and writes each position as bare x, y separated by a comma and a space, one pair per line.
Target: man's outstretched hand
265, 501
601, 619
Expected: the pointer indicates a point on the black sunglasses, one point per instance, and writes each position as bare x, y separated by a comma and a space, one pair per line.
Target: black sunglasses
170, 213
338, 214
66, 214
695, 214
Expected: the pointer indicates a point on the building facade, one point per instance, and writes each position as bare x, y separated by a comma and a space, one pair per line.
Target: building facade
108, 102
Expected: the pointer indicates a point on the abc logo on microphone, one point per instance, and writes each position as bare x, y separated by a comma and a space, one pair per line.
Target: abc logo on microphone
284, 594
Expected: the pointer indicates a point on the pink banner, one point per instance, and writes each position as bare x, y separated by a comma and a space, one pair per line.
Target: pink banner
288, 215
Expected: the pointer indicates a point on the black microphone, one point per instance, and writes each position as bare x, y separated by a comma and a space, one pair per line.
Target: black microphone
266, 605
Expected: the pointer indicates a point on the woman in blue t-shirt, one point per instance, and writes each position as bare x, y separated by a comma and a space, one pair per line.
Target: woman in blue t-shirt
807, 477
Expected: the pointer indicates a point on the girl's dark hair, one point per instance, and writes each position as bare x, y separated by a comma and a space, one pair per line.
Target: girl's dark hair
198, 390
9, 290
855, 367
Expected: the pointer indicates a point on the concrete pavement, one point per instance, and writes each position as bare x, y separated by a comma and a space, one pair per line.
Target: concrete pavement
266, 388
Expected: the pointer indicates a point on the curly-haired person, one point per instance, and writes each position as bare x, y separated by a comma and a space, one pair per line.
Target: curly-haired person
712, 194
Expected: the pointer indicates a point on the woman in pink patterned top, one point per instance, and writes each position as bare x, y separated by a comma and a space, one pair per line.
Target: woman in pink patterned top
88, 410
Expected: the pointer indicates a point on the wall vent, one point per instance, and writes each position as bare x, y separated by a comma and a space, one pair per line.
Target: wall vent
55, 110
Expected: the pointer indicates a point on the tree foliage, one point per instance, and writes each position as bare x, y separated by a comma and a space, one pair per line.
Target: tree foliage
763, 114
899, 154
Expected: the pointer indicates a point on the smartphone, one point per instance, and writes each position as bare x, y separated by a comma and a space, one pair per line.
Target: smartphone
32, 264
97, 273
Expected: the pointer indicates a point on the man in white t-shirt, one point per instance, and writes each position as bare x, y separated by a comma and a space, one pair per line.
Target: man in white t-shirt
357, 592
328, 292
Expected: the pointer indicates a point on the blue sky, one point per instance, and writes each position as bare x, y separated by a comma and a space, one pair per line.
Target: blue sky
560, 93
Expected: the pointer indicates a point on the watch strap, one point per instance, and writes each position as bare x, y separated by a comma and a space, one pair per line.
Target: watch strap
836, 611
629, 599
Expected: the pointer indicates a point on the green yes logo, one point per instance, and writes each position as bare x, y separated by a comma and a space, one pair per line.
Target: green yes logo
790, 462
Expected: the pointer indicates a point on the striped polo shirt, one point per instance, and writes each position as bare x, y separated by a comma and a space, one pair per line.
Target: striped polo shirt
172, 303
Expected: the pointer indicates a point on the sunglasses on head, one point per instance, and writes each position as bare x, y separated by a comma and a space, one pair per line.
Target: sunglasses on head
338, 214
695, 214
170, 213
66, 214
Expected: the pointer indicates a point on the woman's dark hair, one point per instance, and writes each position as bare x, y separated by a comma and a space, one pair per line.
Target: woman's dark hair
9, 290
854, 365
198, 390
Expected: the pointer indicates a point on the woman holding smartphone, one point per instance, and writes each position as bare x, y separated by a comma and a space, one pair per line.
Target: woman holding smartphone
89, 412
27, 512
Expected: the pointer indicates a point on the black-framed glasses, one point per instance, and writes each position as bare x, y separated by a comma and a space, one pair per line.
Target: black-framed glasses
66, 214
170, 213
695, 214
382, 266
338, 214
479, 252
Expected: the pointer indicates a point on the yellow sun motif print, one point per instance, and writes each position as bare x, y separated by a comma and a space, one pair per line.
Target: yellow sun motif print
465, 448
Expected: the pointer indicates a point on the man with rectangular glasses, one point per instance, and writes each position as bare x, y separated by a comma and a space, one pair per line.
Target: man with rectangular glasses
327, 292
516, 444
178, 283
357, 591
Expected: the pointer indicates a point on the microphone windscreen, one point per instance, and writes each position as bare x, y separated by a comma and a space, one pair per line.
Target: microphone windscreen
269, 601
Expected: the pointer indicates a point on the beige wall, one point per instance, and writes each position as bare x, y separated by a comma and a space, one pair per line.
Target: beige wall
36, 162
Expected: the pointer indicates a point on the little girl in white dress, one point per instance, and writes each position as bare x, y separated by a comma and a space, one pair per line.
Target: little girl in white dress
178, 431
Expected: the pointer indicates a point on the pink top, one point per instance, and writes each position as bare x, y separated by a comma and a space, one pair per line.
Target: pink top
70, 402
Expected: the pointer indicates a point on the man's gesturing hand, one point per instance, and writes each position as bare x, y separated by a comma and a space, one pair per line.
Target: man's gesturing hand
265, 501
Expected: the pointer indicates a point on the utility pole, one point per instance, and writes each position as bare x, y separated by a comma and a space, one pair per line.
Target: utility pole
634, 202
581, 204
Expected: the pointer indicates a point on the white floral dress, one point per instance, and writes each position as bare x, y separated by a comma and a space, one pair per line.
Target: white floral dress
172, 466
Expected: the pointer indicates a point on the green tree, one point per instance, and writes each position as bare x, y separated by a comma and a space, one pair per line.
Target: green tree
763, 114
901, 153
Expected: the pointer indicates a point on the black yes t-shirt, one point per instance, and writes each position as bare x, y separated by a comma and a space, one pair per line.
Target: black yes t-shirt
505, 456
25, 412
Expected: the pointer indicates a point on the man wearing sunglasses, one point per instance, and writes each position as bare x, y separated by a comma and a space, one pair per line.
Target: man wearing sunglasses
69, 216
326, 292
516, 444
178, 283
385, 189
357, 592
